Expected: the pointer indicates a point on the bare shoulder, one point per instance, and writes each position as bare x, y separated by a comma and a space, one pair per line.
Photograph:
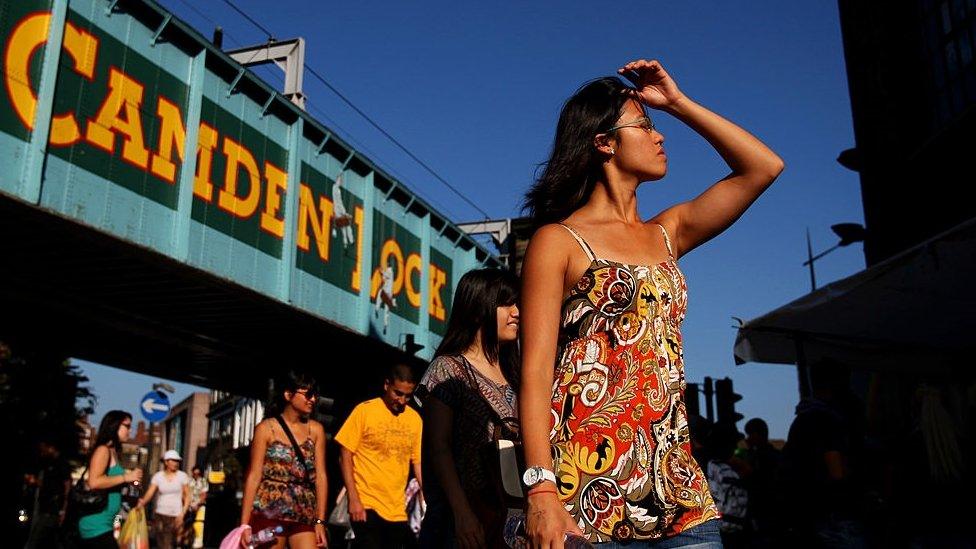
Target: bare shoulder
317, 428
550, 241
670, 219
263, 429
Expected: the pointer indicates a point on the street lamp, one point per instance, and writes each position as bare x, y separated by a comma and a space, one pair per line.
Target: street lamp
849, 233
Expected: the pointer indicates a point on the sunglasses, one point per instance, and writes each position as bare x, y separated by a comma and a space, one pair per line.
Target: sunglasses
643, 123
309, 394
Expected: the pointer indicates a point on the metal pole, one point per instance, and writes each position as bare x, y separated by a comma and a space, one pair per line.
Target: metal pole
813, 276
709, 409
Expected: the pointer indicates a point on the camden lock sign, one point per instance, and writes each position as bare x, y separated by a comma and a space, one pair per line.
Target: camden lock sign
122, 116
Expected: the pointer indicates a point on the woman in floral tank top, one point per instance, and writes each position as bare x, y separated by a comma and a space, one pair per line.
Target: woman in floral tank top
284, 487
602, 406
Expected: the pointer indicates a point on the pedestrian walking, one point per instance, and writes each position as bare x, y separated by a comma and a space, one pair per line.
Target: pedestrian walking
105, 472
193, 523
606, 435
379, 445
173, 488
469, 394
286, 484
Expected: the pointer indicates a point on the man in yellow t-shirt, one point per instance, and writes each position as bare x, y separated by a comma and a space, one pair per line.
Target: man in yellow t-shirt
379, 443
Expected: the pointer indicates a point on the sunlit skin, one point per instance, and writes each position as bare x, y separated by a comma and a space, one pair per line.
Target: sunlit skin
299, 405
104, 457
610, 222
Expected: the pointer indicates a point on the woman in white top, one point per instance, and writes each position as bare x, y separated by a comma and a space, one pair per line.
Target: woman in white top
173, 487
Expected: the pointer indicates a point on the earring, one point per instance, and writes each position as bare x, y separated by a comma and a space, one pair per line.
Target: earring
612, 152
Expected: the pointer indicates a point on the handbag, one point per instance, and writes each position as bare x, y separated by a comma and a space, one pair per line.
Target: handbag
504, 458
83, 500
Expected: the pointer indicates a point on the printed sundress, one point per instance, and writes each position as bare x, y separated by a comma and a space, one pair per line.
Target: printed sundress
285, 491
620, 439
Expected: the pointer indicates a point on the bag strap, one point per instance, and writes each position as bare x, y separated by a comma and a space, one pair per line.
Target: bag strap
500, 421
294, 444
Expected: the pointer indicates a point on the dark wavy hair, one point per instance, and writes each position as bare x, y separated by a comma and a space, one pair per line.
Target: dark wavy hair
575, 165
477, 298
108, 430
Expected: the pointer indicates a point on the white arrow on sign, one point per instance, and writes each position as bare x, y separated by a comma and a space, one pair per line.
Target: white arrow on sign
149, 405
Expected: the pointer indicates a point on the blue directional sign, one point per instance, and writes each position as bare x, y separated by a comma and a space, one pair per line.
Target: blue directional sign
154, 406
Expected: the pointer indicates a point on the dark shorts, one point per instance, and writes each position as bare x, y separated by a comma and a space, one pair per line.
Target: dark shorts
260, 522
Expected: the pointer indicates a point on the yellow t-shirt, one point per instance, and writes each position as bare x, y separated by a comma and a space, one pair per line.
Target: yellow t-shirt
383, 445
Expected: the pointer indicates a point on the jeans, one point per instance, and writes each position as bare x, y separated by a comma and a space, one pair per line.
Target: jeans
703, 536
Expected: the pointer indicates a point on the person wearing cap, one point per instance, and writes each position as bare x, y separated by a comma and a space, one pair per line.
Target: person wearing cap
173, 487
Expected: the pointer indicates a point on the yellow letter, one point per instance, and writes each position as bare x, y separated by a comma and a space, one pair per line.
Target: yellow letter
390, 249
206, 143
26, 38
438, 279
124, 92
277, 181
359, 249
238, 155
413, 264
321, 226
171, 132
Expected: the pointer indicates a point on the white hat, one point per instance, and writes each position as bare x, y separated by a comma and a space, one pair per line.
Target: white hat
172, 454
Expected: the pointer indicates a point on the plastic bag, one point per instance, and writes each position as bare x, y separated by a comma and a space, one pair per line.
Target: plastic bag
340, 513
134, 533
233, 539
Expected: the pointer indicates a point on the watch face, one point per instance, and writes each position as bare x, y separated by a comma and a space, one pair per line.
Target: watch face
531, 476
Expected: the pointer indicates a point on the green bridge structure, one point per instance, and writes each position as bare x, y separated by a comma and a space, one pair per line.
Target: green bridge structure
165, 211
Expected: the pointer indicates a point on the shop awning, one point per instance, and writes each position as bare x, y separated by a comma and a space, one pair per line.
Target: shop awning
914, 311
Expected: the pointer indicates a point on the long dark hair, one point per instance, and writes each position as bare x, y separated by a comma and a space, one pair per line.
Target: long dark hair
108, 430
292, 382
477, 298
575, 165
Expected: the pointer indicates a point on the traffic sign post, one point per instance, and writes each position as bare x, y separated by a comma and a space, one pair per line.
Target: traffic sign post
154, 406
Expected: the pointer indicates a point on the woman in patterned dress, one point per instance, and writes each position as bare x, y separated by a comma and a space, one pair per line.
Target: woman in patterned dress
603, 300
468, 390
282, 489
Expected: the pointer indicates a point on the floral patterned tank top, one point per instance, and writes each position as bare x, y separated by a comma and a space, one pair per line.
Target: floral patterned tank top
621, 445
285, 493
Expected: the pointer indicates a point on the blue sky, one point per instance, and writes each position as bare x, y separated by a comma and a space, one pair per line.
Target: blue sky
474, 89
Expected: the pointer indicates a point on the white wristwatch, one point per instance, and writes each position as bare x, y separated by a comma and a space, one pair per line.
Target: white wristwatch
536, 474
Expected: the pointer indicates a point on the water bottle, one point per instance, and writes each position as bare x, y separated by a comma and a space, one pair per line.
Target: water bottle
266, 535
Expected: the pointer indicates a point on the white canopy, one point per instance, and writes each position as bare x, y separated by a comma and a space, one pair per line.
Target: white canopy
914, 311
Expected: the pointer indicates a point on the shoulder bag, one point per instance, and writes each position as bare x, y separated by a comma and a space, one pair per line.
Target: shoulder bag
504, 457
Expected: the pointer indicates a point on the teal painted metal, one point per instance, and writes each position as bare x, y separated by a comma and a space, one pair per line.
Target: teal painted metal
139, 127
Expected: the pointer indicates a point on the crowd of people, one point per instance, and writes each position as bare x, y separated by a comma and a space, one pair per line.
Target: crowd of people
579, 365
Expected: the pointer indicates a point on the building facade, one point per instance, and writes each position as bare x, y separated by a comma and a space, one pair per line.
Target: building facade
186, 428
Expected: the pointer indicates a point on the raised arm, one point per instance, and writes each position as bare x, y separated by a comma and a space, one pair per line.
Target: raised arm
754, 166
543, 281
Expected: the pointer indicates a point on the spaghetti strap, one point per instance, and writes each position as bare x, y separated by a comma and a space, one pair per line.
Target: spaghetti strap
667, 241
580, 241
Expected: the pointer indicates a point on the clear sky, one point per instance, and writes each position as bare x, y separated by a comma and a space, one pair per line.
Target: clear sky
474, 89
